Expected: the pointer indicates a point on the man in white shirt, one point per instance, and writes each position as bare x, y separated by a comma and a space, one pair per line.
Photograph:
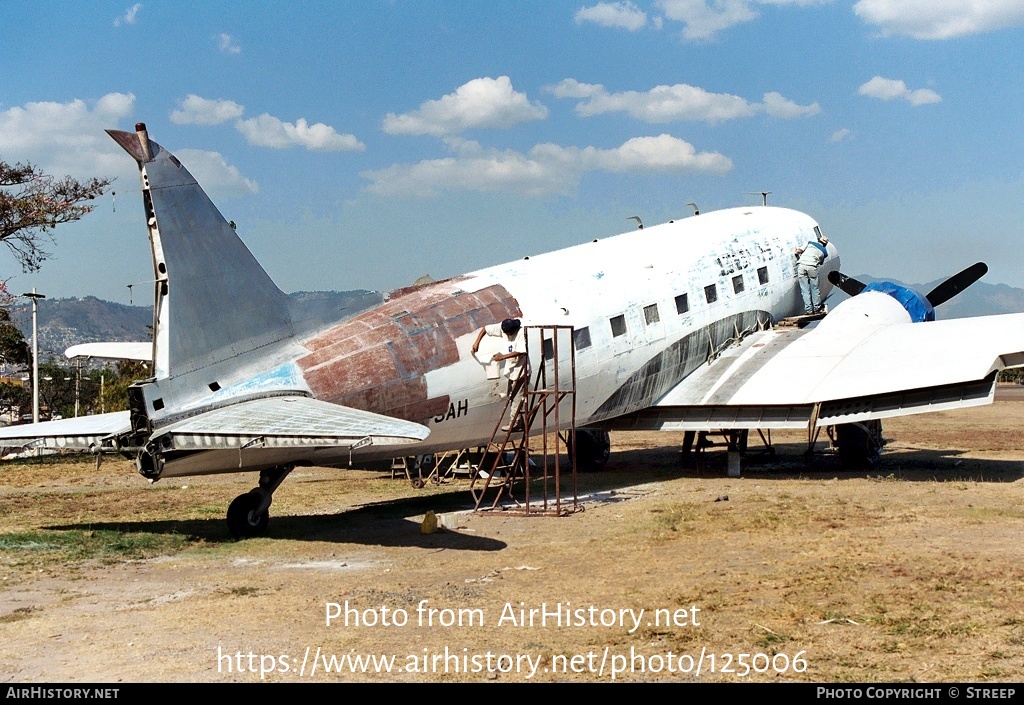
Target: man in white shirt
510, 331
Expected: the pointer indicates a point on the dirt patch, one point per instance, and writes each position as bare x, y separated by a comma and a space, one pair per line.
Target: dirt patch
911, 571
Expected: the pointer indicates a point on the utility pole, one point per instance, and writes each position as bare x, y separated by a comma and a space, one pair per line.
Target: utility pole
78, 382
35, 354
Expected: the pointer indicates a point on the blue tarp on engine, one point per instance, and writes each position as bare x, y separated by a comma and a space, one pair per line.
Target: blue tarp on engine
915, 304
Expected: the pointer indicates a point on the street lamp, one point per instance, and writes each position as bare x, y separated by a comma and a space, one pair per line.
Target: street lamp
35, 355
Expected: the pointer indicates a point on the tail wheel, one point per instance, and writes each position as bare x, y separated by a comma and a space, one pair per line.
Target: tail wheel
244, 518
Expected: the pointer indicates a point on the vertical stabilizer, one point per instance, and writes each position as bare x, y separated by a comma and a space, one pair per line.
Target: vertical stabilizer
213, 299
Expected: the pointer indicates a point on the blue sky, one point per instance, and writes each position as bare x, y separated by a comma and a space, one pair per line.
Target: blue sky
364, 144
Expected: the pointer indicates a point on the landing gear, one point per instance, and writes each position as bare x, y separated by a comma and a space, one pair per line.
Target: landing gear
859, 445
244, 516
593, 448
249, 513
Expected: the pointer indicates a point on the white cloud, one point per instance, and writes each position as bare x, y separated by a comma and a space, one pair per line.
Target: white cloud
940, 19
663, 153
67, 138
130, 15
268, 131
202, 111
482, 102
839, 135
214, 174
226, 43
625, 15
673, 103
892, 89
778, 107
547, 169
704, 18
571, 88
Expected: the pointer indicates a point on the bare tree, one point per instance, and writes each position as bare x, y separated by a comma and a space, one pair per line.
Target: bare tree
33, 203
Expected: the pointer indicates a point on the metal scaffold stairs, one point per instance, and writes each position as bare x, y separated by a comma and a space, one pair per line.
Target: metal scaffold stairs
523, 471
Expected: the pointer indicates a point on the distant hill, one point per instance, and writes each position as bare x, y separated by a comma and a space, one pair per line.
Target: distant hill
67, 322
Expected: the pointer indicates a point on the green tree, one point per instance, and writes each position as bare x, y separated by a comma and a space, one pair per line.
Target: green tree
56, 389
13, 397
14, 350
33, 203
115, 388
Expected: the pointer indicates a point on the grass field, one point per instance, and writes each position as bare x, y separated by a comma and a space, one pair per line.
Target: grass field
909, 571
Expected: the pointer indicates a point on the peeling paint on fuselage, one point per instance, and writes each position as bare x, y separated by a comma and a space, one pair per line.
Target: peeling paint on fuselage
378, 360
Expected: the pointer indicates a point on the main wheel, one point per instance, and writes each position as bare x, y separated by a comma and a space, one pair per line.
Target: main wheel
243, 519
859, 444
593, 448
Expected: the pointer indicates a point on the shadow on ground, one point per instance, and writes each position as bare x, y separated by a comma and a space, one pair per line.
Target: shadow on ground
384, 523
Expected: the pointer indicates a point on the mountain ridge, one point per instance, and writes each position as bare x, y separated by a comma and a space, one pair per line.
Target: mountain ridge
70, 321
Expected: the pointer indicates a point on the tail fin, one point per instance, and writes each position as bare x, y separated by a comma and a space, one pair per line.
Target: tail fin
213, 299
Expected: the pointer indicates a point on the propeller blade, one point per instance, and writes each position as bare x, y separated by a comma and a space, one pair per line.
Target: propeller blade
956, 283
848, 284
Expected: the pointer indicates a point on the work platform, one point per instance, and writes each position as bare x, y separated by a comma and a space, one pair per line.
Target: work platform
538, 422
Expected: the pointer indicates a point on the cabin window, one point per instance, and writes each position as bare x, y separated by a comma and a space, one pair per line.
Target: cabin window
581, 337
711, 293
682, 303
737, 284
618, 326
762, 275
651, 314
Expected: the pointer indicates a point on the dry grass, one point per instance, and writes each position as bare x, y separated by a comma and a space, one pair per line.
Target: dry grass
911, 571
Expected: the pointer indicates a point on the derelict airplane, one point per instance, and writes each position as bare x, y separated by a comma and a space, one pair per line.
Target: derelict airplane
672, 329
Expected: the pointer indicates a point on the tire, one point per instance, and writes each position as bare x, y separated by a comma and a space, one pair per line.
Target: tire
593, 448
243, 521
859, 444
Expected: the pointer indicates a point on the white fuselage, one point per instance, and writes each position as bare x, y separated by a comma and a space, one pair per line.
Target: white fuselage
648, 307
745, 254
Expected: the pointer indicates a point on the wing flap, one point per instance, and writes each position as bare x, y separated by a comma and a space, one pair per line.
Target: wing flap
286, 422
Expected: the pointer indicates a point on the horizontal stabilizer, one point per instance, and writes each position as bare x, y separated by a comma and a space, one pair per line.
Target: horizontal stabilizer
82, 433
141, 352
287, 422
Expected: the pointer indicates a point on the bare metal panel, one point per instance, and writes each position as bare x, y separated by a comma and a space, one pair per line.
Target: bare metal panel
222, 303
279, 422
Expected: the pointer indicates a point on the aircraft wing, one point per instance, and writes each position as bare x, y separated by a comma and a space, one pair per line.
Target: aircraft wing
274, 422
841, 373
286, 422
142, 352
82, 433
